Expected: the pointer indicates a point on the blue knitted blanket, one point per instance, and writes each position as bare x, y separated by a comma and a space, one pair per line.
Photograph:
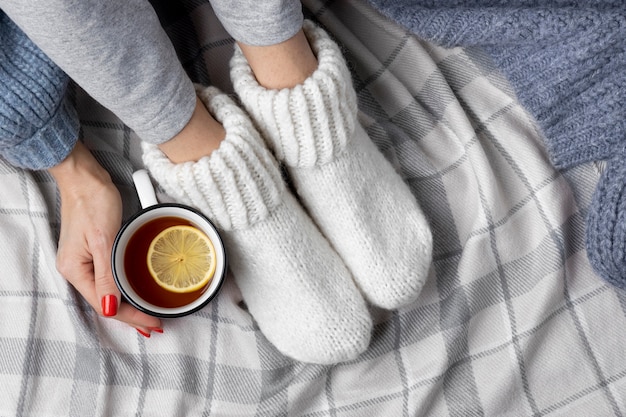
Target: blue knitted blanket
566, 60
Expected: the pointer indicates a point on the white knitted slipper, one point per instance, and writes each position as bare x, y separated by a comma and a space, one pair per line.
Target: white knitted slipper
353, 193
295, 286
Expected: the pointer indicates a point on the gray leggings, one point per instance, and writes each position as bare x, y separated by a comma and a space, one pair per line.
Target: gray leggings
259, 22
117, 51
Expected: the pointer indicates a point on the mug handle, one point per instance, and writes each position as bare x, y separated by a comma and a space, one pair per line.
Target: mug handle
145, 190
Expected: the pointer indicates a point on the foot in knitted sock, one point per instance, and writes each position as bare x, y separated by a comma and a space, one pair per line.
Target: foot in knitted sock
606, 225
295, 286
360, 203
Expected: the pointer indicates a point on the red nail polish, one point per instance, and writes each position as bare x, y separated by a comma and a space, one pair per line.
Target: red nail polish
109, 305
141, 332
155, 329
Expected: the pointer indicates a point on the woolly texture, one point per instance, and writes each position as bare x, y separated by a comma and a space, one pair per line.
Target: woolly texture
238, 185
565, 61
606, 225
320, 126
38, 125
347, 186
295, 286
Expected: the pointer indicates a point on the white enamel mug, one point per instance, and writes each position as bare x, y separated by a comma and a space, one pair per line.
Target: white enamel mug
152, 210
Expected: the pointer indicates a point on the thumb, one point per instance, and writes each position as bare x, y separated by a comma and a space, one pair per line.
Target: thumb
106, 290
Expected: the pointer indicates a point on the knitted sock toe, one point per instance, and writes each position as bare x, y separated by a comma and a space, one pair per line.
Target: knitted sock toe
606, 225
295, 286
353, 193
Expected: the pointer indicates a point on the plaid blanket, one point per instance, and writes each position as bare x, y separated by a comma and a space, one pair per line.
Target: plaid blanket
512, 321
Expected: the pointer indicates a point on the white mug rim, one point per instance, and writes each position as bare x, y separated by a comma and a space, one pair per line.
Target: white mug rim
200, 221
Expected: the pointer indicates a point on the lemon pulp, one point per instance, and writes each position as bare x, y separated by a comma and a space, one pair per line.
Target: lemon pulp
181, 259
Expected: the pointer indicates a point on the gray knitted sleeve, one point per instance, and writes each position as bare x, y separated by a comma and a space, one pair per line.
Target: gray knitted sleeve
117, 51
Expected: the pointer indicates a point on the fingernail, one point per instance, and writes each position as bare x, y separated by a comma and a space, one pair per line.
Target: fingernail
141, 332
155, 329
109, 305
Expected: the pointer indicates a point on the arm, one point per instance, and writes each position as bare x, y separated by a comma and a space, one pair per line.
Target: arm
91, 210
38, 126
39, 130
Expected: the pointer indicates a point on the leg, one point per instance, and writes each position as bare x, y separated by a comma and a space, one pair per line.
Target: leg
295, 286
284, 65
200, 137
352, 192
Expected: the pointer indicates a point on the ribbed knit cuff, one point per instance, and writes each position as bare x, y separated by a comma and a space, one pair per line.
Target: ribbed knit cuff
38, 124
586, 146
50, 144
308, 124
238, 185
606, 221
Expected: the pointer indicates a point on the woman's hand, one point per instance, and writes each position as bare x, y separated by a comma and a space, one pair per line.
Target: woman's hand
91, 215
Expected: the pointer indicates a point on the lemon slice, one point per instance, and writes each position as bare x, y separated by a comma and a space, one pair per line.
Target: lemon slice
181, 259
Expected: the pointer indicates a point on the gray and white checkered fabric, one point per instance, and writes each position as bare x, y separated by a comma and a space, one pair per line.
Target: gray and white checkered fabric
512, 320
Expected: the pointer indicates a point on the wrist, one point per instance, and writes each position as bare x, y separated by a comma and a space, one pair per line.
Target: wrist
77, 170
